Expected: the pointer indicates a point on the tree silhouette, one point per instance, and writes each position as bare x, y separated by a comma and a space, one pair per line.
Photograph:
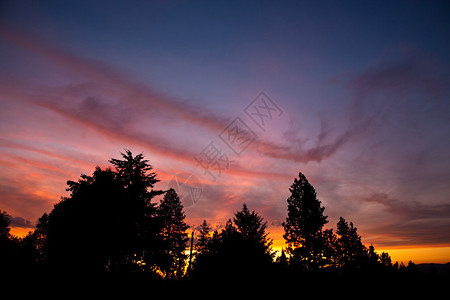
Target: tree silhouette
252, 230
136, 176
4, 224
15, 253
142, 228
174, 236
109, 223
303, 226
93, 206
386, 261
7, 245
350, 250
241, 248
282, 259
329, 249
203, 239
116, 204
40, 238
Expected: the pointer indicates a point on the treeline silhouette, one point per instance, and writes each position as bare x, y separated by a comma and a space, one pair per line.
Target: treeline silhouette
110, 225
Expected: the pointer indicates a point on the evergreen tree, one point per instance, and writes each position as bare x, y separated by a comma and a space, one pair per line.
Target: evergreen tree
303, 226
136, 174
138, 179
352, 254
282, 260
252, 229
385, 260
204, 238
241, 249
329, 248
370, 260
116, 204
171, 215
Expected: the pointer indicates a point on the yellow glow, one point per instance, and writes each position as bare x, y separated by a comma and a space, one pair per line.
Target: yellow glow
418, 255
20, 232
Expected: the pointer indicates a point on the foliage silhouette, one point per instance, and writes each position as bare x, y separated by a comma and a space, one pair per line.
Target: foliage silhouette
108, 221
109, 224
350, 250
174, 237
239, 250
7, 243
4, 224
303, 226
203, 239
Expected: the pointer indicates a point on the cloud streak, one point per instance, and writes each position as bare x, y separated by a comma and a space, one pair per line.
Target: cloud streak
112, 104
411, 209
403, 104
389, 100
99, 75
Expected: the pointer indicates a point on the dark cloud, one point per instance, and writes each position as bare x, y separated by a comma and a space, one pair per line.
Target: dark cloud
411, 209
391, 89
410, 222
414, 87
304, 150
395, 174
21, 222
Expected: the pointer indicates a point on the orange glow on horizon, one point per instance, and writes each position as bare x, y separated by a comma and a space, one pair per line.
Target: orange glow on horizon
416, 253
419, 254
20, 231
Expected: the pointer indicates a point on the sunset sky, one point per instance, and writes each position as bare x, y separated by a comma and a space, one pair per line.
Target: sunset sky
354, 94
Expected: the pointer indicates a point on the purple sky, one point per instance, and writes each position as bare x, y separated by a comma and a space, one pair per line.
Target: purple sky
359, 101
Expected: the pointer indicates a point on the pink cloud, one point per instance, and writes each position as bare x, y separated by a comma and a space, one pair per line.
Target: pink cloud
99, 75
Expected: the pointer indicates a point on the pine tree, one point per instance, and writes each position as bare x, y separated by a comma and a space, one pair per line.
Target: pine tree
170, 214
204, 238
138, 179
352, 254
241, 249
135, 173
282, 260
385, 260
329, 250
252, 229
303, 226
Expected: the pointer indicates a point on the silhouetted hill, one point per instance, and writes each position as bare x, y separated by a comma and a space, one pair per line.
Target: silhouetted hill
438, 268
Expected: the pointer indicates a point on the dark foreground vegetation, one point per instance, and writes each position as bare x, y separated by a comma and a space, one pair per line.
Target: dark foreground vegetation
110, 228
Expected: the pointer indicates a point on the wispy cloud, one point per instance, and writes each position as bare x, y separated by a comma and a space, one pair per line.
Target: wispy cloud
410, 222
113, 104
398, 167
95, 75
394, 102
